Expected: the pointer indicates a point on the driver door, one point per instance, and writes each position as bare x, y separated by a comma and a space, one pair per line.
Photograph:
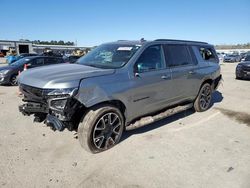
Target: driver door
148, 93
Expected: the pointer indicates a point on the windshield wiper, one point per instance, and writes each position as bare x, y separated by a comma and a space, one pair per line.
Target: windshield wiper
97, 66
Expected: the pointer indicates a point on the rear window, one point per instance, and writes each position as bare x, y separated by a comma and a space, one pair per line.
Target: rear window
247, 58
208, 54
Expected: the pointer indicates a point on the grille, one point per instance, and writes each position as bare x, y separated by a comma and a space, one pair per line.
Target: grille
34, 92
245, 68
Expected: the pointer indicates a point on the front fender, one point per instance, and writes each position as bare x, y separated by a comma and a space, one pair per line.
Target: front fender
92, 95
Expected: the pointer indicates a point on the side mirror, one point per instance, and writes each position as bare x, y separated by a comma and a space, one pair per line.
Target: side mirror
29, 65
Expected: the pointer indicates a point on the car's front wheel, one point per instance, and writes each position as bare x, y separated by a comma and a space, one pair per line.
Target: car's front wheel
101, 128
204, 98
13, 80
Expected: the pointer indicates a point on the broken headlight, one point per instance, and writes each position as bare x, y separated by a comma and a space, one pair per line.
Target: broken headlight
58, 104
3, 72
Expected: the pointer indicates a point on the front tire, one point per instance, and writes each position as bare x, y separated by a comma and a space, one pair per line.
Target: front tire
204, 98
101, 128
13, 80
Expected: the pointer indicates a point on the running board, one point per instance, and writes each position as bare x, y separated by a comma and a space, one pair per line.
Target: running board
151, 119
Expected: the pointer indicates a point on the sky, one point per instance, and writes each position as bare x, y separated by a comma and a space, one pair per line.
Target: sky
94, 22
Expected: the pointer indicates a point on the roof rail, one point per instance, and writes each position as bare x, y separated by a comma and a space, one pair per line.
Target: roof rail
173, 40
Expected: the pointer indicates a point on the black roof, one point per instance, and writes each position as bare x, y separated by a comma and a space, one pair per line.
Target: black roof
185, 41
33, 57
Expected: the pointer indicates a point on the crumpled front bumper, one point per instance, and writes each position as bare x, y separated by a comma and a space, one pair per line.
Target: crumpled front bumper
30, 108
41, 113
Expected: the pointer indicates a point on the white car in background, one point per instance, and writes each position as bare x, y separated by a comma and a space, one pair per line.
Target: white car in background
220, 56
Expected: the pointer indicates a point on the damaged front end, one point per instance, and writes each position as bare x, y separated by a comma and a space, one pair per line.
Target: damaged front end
58, 108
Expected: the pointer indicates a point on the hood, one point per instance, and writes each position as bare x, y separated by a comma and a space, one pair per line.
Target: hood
60, 76
245, 63
6, 68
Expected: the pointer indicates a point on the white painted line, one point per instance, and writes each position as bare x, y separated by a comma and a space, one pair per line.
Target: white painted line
197, 123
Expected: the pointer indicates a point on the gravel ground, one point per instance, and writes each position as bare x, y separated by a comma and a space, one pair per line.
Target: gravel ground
209, 149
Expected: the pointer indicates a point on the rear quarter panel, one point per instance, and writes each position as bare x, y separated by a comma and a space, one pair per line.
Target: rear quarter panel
206, 69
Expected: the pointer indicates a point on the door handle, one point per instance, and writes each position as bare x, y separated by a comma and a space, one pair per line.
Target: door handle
165, 77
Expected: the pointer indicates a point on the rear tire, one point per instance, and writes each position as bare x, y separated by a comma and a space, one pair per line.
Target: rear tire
101, 128
204, 98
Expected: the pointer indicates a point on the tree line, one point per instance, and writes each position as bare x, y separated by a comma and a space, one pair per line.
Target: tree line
237, 46
52, 42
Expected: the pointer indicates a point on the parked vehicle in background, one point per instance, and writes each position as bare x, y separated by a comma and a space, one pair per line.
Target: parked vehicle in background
232, 58
220, 56
11, 59
113, 86
26, 55
243, 69
8, 74
242, 56
71, 59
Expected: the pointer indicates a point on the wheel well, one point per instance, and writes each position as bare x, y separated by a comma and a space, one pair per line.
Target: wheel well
81, 111
120, 105
116, 103
209, 81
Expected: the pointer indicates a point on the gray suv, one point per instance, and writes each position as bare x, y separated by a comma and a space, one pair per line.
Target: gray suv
121, 86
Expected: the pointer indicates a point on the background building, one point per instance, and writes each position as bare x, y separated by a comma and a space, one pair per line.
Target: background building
29, 47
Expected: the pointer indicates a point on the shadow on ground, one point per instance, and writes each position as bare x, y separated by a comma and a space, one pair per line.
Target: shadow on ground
216, 98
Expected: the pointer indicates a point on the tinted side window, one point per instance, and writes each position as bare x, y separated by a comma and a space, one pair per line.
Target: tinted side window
208, 54
151, 59
58, 60
38, 62
177, 55
247, 58
49, 61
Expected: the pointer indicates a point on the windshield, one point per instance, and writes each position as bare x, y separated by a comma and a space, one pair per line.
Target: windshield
109, 56
247, 58
20, 62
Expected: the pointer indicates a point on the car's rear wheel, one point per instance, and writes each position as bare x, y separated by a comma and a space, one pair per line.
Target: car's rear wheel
204, 98
101, 128
13, 80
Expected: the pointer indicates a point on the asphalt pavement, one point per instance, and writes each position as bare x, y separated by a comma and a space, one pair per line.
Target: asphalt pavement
196, 150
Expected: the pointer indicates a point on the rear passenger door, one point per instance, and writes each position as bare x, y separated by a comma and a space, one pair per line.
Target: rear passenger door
183, 66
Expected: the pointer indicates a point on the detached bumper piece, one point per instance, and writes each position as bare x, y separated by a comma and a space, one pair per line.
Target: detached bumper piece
54, 123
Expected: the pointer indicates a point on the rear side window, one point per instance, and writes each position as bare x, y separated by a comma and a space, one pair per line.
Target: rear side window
58, 60
53, 60
247, 58
38, 62
177, 55
208, 54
